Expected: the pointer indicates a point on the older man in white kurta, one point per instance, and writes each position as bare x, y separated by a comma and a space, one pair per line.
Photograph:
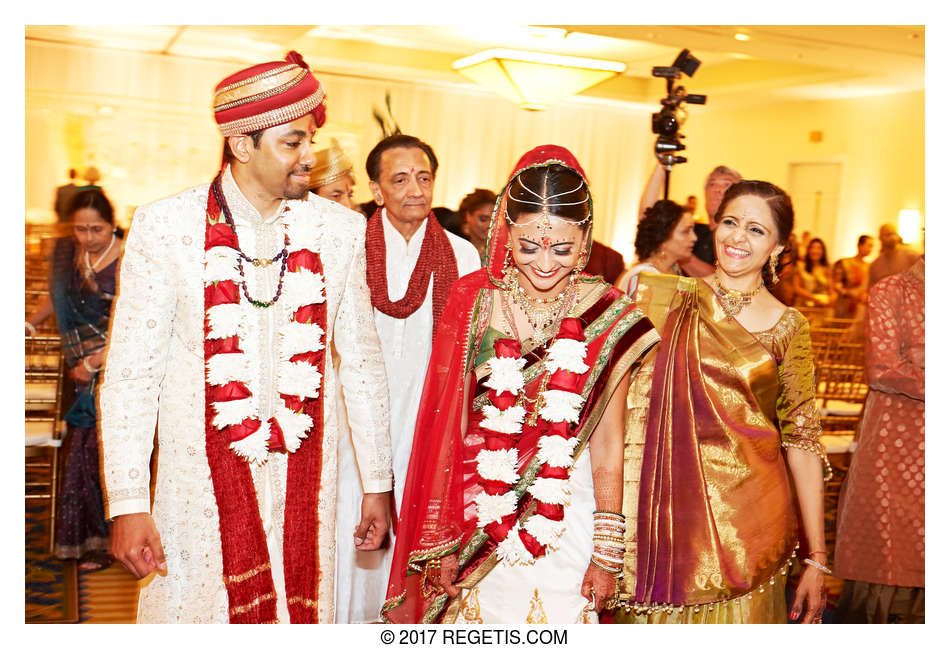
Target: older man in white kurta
411, 264
233, 299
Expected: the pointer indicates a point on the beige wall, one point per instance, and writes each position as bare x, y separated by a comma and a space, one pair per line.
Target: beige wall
160, 138
879, 141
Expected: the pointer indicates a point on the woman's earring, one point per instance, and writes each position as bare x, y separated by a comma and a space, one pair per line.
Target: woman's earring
773, 264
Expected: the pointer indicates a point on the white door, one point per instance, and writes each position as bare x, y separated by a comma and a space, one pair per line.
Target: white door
815, 188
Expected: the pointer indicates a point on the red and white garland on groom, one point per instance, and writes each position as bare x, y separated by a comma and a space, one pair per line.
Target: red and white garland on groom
232, 360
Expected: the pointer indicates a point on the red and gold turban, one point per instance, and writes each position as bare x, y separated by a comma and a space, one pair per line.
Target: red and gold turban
268, 94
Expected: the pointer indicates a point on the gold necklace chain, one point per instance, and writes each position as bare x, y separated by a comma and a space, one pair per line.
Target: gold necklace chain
539, 311
732, 300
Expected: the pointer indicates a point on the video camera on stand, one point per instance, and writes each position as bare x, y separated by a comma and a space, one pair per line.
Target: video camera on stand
667, 122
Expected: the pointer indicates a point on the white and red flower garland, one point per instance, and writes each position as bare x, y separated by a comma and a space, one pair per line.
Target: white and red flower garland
559, 403
231, 361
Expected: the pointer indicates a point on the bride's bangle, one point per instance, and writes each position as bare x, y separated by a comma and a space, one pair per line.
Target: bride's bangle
29, 325
85, 363
815, 564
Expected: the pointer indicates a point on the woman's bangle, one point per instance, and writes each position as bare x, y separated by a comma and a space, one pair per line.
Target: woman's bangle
32, 329
815, 564
85, 363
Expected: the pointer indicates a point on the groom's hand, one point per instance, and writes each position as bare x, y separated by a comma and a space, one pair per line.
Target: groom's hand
374, 523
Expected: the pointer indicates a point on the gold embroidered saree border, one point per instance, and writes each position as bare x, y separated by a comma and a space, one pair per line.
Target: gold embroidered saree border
622, 601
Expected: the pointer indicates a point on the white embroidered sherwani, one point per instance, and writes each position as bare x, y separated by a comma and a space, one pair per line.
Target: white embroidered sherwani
407, 344
155, 367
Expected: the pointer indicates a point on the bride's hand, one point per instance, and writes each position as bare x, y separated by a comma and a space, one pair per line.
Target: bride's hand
603, 584
448, 571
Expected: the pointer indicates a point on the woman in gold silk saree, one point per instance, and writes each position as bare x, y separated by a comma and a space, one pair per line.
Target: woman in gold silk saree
718, 417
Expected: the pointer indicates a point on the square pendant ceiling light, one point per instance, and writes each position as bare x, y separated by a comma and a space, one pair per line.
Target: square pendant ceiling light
534, 80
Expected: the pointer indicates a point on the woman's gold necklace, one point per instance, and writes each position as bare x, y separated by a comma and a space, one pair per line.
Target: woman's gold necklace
732, 300
541, 312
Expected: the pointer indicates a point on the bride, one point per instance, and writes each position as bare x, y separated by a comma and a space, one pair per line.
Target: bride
512, 512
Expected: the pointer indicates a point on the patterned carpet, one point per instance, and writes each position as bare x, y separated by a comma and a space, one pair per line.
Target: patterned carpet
51, 589
109, 596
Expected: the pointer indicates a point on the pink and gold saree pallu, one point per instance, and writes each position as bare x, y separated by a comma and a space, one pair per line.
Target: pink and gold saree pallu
712, 525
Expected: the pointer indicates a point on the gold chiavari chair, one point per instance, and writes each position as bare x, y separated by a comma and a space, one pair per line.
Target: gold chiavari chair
814, 314
43, 400
841, 391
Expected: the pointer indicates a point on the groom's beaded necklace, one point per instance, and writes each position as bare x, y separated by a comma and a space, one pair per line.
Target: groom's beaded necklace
260, 263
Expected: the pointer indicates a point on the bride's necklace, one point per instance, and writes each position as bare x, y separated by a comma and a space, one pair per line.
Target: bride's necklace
541, 312
732, 300
90, 267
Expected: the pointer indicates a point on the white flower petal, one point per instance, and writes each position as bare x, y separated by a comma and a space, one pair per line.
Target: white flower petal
567, 354
491, 509
221, 265
507, 421
298, 379
560, 405
253, 448
556, 450
304, 232
553, 491
544, 529
302, 287
298, 337
294, 425
224, 368
226, 320
234, 412
512, 551
506, 374
498, 465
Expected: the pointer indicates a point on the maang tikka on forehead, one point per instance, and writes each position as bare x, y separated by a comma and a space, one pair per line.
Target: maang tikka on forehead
544, 215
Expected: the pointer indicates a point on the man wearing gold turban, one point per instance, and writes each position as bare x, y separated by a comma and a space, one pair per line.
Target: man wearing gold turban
332, 175
231, 296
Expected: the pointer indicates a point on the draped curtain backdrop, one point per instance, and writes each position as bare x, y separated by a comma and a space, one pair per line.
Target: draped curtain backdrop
145, 121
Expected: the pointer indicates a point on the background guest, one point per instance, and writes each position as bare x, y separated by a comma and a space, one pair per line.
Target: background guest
812, 282
332, 175
894, 257
880, 540
803, 244
665, 237
850, 277
64, 197
82, 286
475, 217
690, 205
784, 288
92, 176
